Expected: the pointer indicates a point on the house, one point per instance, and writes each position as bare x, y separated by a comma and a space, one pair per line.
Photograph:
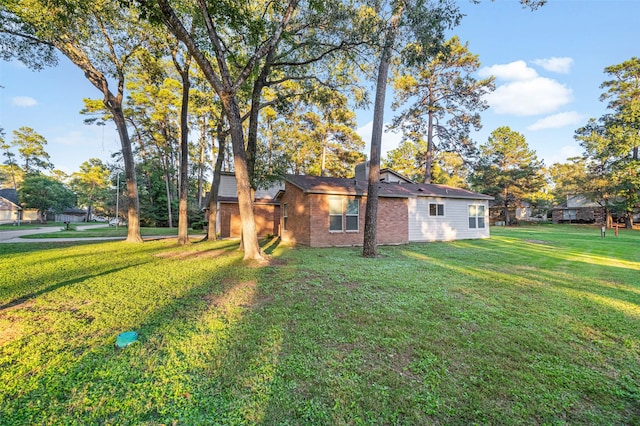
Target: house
324, 211
266, 209
71, 214
9, 208
578, 209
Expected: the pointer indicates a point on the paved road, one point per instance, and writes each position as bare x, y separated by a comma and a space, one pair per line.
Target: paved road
15, 236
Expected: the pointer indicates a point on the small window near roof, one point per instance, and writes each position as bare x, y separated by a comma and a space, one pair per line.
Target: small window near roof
436, 209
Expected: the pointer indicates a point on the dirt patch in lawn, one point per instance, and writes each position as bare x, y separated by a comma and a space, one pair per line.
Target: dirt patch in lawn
181, 255
539, 242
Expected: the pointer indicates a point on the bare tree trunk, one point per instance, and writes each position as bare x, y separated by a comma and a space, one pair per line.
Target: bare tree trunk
133, 212
507, 219
429, 156
245, 202
183, 214
215, 184
370, 244
203, 139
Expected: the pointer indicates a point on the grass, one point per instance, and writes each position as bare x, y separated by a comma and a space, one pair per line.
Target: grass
108, 231
535, 325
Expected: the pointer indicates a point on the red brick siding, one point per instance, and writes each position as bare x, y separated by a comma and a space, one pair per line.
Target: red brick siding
297, 231
267, 218
308, 221
393, 220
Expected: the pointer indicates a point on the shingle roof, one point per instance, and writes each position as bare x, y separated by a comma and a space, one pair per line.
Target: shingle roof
344, 186
9, 194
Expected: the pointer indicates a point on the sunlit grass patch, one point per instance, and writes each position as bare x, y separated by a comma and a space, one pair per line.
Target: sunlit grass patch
535, 325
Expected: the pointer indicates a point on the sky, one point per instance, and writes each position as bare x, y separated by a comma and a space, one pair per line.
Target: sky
549, 65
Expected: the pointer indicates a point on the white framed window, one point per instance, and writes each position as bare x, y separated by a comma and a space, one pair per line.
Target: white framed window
285, 216
344, 214
476, 216
436, 209
352, 215
569, 214
335, 213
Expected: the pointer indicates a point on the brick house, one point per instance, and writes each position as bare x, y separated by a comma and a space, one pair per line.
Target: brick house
266, 209
324, 212
578, 209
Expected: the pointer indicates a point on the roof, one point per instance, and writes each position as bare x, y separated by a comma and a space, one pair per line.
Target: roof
9, 194
578, 201
345, 186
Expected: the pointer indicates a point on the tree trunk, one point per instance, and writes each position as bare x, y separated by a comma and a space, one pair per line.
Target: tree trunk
370, 244
203, 139
133, 218
429, 156
507, 219
213, 195
183, 216
245, 203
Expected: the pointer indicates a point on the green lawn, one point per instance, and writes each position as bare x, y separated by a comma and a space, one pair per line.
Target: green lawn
107, 231
537, 325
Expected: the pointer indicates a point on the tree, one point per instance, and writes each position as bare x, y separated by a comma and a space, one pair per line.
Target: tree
31, 149
508, 170
408, 159
45, 194
11, 170
97, 36
318, 136
611, 143
568, 178
623, 94
91, 184
446, 101
243, 44
426, 23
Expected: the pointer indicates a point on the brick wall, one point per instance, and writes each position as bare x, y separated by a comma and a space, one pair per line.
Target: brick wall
267, 218
308, 221
297, 230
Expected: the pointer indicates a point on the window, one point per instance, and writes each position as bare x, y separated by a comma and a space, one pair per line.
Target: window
335, 214
344, 214
476, 217
285, 216
436, 209
569, 214
353, 214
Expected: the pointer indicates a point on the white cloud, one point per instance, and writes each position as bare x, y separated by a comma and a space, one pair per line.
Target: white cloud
557, 121
554, 64
23, 101
525, 92
514, 71
539, 95
390, 140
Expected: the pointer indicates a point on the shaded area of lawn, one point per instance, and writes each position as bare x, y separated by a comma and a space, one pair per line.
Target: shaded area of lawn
535, 325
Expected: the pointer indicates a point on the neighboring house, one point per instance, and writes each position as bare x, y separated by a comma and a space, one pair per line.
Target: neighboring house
71, 215
324, 211
9, 208
266, 209
578, 209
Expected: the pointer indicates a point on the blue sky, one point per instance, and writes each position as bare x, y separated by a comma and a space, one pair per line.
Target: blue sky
548, 65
